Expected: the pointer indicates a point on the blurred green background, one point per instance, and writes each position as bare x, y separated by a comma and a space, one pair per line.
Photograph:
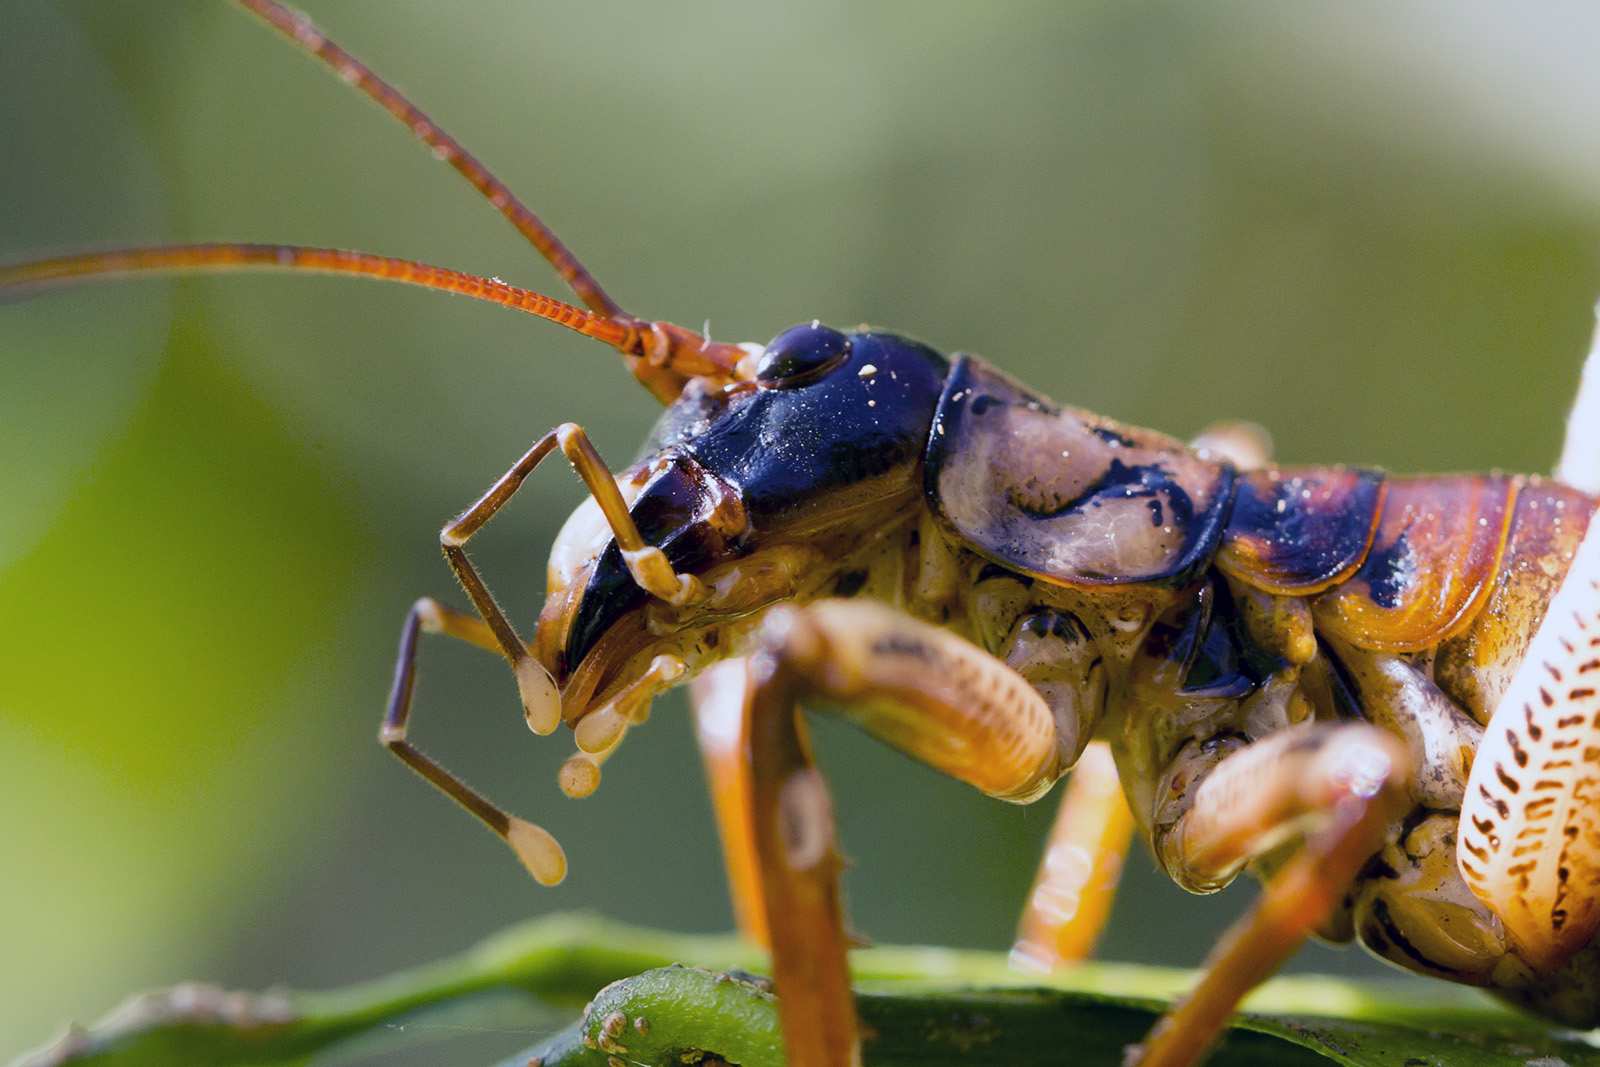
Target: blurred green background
1374, 229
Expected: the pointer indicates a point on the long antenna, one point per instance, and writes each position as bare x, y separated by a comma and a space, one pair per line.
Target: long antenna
662, 356
176, 259
297, 27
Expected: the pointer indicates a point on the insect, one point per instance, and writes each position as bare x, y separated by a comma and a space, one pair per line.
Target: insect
578, 768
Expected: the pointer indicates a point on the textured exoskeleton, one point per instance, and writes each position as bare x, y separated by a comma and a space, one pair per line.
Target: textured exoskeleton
1152, 596
1373, 691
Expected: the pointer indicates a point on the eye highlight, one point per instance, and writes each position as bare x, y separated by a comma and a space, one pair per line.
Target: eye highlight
801, 354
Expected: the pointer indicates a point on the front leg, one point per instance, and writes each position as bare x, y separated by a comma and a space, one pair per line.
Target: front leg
1070, 902
936, 697
717, 701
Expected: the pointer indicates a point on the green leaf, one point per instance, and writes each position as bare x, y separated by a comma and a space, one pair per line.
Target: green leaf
920, 1006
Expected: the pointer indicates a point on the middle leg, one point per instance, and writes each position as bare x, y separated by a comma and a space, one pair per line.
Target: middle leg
1339, 788
1070, 901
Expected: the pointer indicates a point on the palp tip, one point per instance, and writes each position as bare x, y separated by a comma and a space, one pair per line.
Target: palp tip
538, 851
580, 775
541, 700
600, 729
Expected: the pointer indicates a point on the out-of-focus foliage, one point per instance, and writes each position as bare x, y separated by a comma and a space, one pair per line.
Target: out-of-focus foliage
922, 1006
1376, 230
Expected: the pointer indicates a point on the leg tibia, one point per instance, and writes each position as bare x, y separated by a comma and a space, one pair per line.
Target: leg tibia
930, 694
1340, 788
718, 698
1071, 897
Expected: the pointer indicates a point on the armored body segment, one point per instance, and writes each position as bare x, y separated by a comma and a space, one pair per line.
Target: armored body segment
1067, 496
1297, 531
1475, 666
1428, 571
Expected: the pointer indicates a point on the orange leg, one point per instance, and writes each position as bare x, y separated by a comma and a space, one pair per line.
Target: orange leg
1343, 787
718, 697
936, 697
1071, 897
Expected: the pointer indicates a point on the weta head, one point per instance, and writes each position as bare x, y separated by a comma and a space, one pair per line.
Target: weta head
757, 487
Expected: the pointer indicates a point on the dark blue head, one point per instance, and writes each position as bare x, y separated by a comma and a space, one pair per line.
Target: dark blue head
822, 435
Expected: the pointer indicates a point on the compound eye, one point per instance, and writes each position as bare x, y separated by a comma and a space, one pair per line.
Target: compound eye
801, 354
